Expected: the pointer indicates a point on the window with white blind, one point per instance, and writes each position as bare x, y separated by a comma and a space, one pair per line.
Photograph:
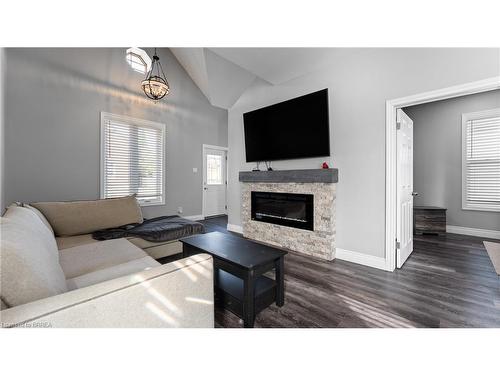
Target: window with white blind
132, 156
481, 160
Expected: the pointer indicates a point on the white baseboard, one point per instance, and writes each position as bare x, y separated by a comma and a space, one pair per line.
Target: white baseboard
347, 255
360, 258
194, 217
235, 228
487, 233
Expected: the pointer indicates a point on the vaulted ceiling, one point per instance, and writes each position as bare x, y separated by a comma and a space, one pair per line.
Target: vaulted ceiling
223, 74
279, 65
220, 80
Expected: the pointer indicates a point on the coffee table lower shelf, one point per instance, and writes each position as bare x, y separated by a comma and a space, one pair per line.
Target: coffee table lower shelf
229, 292
239, 268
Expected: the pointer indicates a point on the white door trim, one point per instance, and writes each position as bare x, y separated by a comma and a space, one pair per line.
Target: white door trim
391, 107
214, 147
203, 166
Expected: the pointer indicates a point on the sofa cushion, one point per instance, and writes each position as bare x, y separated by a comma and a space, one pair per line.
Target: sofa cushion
80, 260
72, 241
43, 219
163, 249
153, 249
29, 269
30, 220
83, 239
113, 272
81, 217
145, 244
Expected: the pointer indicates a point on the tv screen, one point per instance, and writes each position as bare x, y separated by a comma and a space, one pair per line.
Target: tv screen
294, 129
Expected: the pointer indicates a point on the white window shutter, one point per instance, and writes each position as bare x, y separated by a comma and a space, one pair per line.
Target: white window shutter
482, 162
132, 159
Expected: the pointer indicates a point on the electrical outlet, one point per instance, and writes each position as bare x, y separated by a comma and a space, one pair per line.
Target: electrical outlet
195, 170
179, 210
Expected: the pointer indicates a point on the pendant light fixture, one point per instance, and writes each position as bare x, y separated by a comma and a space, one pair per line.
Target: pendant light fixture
155, 85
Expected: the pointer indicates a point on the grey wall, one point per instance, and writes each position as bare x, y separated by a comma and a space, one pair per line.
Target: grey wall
53, 100
359, 84
437, 158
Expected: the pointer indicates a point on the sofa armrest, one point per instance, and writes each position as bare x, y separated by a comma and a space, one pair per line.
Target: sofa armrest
177, 294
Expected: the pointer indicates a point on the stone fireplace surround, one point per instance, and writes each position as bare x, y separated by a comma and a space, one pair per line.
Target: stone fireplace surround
319, 182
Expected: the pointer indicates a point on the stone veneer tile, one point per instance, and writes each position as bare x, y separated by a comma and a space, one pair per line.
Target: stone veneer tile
319, 243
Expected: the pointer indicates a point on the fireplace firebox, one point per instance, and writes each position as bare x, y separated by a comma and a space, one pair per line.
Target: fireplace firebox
287, 209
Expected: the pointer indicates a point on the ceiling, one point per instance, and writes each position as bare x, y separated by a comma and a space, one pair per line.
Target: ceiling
223, 74
220, 80
279, 65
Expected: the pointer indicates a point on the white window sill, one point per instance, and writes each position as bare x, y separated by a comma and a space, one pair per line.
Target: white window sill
147, 204
482, 208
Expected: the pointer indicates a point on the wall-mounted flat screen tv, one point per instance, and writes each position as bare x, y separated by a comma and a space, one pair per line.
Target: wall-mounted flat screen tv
294, 129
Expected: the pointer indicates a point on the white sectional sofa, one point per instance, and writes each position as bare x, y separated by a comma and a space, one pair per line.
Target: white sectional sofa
91, 283
74, 222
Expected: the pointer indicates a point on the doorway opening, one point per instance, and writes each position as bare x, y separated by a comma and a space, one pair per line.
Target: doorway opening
397, 219
214, 186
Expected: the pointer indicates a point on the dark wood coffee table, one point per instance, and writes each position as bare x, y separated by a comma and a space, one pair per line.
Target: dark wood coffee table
240, 264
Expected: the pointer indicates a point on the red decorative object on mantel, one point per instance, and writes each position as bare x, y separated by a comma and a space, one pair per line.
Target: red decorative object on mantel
325, 165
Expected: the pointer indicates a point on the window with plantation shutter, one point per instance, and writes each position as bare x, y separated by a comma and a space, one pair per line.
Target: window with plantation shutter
481, 160
132, 156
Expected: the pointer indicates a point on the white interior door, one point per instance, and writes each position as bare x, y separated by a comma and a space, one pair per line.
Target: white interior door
404, 188
214, 181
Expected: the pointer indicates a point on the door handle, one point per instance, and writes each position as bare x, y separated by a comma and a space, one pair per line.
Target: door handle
414, 193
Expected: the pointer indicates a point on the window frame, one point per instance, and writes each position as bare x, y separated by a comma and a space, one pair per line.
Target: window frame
143, 56
221, 170
466, 117
106, 116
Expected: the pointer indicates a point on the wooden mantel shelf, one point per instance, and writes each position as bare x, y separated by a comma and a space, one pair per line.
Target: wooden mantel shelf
328, 176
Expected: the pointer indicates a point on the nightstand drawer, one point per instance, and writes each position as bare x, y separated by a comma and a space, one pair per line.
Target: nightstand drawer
429, 220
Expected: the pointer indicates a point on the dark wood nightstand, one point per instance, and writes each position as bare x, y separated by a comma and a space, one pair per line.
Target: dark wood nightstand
429, 220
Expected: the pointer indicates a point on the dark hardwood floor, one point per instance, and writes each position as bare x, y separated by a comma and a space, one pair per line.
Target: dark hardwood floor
448, 281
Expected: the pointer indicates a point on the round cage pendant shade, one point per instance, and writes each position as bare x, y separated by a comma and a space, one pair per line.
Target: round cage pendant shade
155, 85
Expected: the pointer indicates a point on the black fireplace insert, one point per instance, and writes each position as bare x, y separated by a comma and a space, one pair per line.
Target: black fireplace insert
291, 210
